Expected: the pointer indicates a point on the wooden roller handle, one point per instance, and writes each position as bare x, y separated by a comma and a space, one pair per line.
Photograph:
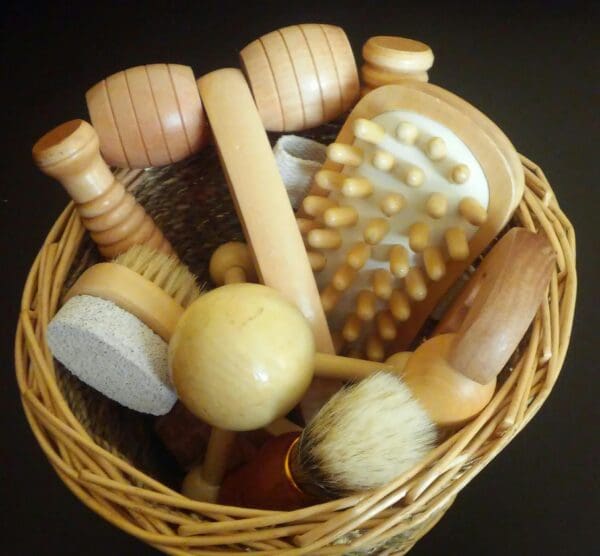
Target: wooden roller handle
499, 304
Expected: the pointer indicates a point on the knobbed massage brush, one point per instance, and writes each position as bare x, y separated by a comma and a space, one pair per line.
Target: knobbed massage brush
416, 185
449, 379
113, 329
301, 76
116, 221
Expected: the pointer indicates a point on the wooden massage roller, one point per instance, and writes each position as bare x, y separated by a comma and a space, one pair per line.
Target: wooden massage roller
70, 153
416, 185
301, 76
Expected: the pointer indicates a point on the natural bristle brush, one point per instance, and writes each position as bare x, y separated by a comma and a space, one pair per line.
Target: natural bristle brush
113, 329
416, 185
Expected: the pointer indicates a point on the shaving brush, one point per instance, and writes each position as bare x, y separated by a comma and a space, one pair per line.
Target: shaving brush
364, 436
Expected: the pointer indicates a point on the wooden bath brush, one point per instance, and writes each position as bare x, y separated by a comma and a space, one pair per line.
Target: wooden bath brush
416, 185
113, 329
70, 153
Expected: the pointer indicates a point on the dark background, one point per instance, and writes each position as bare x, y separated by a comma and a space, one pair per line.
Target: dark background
532, 67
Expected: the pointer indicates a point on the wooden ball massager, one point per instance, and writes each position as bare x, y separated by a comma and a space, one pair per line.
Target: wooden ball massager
391, 60
70, 153
416, 185
301, 76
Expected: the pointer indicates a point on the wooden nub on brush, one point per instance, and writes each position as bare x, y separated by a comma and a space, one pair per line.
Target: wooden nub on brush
116, 221
449, 379
414, 189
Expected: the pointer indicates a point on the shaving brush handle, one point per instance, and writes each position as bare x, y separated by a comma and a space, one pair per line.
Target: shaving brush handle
263, 483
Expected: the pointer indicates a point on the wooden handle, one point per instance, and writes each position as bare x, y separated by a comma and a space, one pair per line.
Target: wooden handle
510, 286
70, 153
261, 200
148, 115
349, 368
263, 482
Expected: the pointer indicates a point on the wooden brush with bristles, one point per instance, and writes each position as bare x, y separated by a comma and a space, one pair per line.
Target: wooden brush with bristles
416, 185
363, 437
117, 319
166, 271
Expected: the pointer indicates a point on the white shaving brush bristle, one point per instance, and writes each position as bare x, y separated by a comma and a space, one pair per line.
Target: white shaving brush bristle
366, 435
166, 271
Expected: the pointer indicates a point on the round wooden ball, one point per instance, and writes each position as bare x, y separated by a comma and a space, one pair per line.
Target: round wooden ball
241, 356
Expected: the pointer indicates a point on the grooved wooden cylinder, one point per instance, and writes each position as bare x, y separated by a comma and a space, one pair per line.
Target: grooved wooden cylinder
148, 115
301, 76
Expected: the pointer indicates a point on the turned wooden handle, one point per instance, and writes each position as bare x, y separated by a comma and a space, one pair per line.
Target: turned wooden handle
263, 482
70, 153
500, 304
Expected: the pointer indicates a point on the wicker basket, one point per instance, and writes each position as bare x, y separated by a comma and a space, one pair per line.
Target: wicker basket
109, 457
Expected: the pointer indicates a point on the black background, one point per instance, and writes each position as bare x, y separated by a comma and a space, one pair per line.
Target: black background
532, 67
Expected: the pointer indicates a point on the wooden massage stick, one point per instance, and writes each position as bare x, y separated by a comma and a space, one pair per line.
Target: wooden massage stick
451, 376
116, 221
417, 184
152, 115
231, 263
391, 60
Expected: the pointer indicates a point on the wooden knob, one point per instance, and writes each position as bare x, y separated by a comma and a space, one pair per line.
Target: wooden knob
301, 76
398, 54
232, 263
390, 60
70, 153
241, 356
148, 115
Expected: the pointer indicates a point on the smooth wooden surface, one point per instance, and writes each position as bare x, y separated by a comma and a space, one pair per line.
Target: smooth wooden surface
301, 76
261, 200
241, 356
70, 153
398, 54
148, 115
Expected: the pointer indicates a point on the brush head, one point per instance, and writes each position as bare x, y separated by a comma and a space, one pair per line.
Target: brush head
365, 436
166, 271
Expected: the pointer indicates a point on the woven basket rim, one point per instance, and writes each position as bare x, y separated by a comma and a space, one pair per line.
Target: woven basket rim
174, 524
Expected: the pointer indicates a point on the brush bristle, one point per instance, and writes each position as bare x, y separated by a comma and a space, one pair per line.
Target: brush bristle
166, 271
366, 435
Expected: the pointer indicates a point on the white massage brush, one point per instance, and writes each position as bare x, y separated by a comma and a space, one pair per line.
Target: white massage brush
113, 329
416, 185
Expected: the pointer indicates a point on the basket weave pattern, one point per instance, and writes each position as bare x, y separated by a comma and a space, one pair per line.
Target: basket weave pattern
65, 417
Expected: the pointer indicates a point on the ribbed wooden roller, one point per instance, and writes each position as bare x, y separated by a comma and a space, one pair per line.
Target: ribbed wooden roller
301, 76
148, 115
116, 221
